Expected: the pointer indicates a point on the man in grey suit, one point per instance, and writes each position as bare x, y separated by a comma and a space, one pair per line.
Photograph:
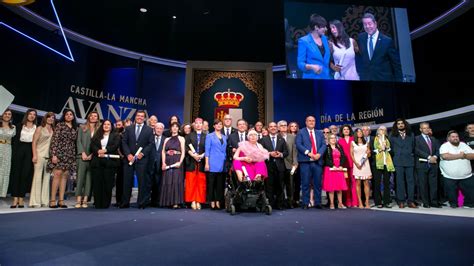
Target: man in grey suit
291, 161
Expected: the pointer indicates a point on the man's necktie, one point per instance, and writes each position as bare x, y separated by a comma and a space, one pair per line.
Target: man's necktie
428, 141
273, 143
137, 132
313, 143
157, 142
241, 137
227, 132
371, 47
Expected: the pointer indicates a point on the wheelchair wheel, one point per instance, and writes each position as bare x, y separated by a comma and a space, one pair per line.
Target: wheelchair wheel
268, 210
227, 203
232, 209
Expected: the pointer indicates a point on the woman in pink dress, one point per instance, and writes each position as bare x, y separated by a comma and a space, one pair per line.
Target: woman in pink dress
345, 141
250, 158
360, 152
333, 177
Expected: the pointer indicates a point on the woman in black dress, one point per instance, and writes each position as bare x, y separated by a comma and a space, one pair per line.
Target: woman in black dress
172, 183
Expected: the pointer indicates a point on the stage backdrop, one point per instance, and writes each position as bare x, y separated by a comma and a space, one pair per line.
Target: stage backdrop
243, 90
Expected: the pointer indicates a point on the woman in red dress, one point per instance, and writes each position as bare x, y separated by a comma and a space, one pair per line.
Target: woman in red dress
345, 140
195, 181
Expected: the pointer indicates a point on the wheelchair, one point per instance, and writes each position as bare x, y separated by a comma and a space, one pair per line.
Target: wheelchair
246, 195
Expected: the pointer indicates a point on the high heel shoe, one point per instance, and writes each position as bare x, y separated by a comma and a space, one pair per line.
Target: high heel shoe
53, 206
61, 204
21, 203
198, 206
14, 204
193, 205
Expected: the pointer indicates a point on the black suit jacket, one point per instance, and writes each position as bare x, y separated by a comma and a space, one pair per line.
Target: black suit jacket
112, 147
280, 146
155, 155
232, 130
403, 150
130, 144
190, 162
233, 143
372, 153
385, 63
422, 150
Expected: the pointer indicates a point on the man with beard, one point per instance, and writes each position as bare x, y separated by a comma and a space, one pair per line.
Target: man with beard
456, 169
403, 146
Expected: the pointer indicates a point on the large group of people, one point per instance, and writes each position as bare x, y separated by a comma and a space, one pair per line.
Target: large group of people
189, 166
333, 54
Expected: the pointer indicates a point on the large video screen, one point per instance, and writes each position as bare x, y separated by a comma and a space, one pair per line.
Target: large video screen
347, 42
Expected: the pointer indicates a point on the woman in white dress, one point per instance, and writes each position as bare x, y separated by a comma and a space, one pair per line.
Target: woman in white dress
360, 153
39, 195
343, 50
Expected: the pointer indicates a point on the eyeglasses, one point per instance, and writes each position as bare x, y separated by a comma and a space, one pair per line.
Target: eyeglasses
326, 132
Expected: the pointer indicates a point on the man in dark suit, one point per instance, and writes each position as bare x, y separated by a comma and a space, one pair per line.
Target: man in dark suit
233, 143
227, 130
427, 154
258, 128
238, 136
156, 172
402, 143
136, 136
378, 59
311, 146
291, 162
275, 182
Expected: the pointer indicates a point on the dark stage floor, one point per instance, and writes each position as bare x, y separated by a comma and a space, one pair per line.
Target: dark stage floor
186, 237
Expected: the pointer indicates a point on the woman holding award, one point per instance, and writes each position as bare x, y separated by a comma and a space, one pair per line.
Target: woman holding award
360, 151
105, 161
384, 166
195, 181
334, 175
